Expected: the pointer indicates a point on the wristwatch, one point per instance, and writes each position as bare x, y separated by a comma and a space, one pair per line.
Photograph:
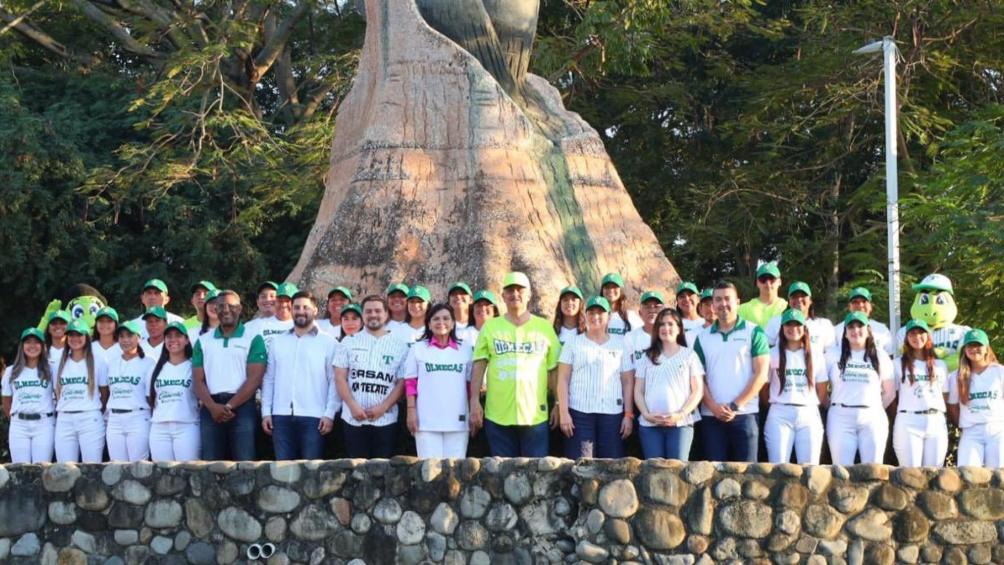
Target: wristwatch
733, 407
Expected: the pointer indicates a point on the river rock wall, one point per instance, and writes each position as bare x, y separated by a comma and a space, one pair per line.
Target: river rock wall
482, 511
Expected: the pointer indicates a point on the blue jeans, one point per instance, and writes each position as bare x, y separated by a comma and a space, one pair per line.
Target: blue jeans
233, 440
595, 435
369, 442
297, 437
667, 442
517, 441
737, 440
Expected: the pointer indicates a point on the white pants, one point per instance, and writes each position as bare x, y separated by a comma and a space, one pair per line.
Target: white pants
129, 436
800, 427
857, 430
920, 440
441, 445
30, 441
175, 441
982, 445
80, 436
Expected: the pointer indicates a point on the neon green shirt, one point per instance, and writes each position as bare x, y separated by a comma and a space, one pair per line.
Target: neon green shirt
760, 313
519, 358
192, 323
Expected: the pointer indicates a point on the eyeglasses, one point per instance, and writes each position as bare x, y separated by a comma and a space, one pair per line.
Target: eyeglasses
228, 306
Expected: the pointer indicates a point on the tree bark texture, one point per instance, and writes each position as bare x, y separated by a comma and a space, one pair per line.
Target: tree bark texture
438, 174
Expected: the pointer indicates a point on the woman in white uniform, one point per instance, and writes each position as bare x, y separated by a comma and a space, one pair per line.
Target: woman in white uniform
81, 393
920, 433
976, 403
797, 381
28, 401
622, 320
820, 329
861, 381
55, 337
437, 374
103, 341
413, 327
174, 427
128, 433
687, 301
568, 316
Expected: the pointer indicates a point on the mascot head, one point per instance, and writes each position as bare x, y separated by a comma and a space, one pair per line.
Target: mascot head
935, 301
83, 302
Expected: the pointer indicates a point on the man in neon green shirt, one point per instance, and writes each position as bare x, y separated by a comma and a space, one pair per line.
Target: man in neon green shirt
517, 354
764, 307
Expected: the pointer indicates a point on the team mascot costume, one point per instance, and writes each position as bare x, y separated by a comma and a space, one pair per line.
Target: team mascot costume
82, 301
935, 305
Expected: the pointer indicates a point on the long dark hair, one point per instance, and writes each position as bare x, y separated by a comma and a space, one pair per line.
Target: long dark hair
165, 356
92, 381
559, 317
619, 307
966, 372
927, 354
44, 371
655, 348
433, 310
782, 356
871, 353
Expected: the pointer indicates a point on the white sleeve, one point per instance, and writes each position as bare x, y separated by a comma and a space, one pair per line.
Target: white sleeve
627, 357
101, 372
334, 402
941, 370
641, 367
819, 373
897, 371
885, 367
341, 359
409, 370
696, 367
953, 388
268, 384
5, 388
567, 354
772, 329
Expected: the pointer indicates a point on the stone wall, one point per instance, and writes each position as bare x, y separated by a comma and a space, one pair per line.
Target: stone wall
499, 511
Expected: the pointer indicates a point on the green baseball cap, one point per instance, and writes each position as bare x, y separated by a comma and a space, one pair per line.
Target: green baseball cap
157, 284
571, 290
707, 294
204, 284
612, 278
131, 326
461, 286
935, 282
63, 315
768, 269
178, 327
859, 317
860, 292
420, 292
917, 325
397, 287
33, 332
107, 312
685, 287
516, 278
655, 295
799, 286
598, 302
267, 284
976, 336
344, 291
155, 311
286, 290
79, 326
352, 308
486, 295
792, 315
213, 295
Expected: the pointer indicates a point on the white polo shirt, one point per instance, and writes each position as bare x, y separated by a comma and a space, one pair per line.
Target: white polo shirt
728, 362
129, 383
667, 385
225, 359
796, 382
300, 378
175, 395
28, 393
442, 375
373, 364
595, 384
986, 397
925, 392
859, 384
822, 334
74, 395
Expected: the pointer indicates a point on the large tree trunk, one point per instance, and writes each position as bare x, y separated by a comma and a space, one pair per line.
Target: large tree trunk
437, 175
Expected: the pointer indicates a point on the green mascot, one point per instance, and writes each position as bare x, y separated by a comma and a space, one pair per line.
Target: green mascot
82, 302
935, 305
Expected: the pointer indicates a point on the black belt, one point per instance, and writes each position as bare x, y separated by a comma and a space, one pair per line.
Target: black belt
32, 417
124, 410
790, 404
851, 405
927, 412
76, 411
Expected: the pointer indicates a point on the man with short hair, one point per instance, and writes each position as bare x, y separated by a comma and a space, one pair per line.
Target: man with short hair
227, 368
518, 356
768, 304
639, 339
200, 290
367, 367
299, 400
736, 358
155, 294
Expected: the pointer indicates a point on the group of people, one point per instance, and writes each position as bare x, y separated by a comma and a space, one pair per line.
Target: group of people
167, 388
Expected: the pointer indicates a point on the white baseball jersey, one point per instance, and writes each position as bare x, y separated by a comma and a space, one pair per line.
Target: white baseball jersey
74, 394
859, 384
373, 364
637, 342
566, 334
691, 329
595, 385
55, 354
129, 383
926, 392
949, 338
442, 375
796, 382
880, 332
822, 334
334, 331
467, 334
112, 352
407, 334
171, 318
986, 397
269, 328
151, 351
175, 399
667, 385
28, 393
617, 325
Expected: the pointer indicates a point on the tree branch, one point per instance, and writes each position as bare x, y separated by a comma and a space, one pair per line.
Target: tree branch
275, 41
44, 40
117, 30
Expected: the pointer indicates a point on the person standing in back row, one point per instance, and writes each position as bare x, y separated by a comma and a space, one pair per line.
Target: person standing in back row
622, 320
768, 304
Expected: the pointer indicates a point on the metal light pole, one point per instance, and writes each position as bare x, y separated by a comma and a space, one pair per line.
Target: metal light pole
891, 53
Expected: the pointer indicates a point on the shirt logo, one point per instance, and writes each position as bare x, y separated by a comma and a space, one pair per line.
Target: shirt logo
435, 367
525, 348
388, 359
